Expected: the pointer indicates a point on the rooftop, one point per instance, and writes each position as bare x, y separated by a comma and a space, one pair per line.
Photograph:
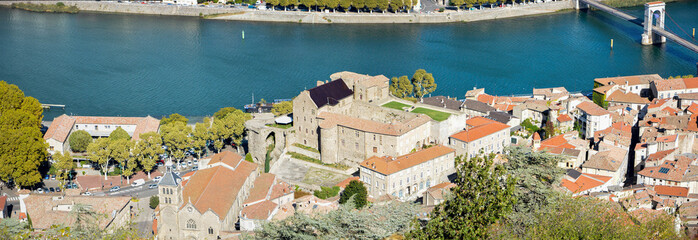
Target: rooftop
592, 109
584, 182
61, 126
610, 159
330, 93
395, 128
629, 80
48, 210
673, 191
389, 165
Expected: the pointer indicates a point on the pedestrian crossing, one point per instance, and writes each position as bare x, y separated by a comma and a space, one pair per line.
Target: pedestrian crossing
12, 199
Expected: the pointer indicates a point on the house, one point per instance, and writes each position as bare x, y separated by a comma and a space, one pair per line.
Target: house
467, 106
611, 162
437, 194
407, 175
579, 183
46, 210
208, 204
481, 136
551, 94
680, 172
57, 135
670, 88
504, 117
629, 99
564, 122
537, 111
637, 84
678, 194
592, 118
266, 196
3, 205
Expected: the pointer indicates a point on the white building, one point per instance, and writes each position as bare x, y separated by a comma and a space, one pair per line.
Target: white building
592, 118
482, 135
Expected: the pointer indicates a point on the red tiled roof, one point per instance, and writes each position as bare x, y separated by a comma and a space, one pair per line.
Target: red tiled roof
675, 170
261, 188
227, 157
659, 155
585, 182
536, 136
564, 118
61, 126
670, 138
386, 165
671, 191
259, 211
479, 130
3, 201
592, 109
558, 141
216, 188
345, 182
620, 96
693, 108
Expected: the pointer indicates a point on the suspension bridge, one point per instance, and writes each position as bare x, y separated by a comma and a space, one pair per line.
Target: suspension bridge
653, 24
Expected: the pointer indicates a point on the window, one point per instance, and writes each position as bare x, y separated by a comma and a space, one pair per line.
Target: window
356, 144
210, 230
357, 133
96, 128
50, 148
191, 224
375, 149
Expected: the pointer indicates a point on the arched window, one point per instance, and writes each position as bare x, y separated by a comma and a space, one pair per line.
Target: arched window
191, 224
210, 230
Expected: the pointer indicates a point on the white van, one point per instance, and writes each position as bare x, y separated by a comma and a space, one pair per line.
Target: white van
138, 182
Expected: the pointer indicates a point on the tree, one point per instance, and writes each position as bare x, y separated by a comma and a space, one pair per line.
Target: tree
79, 140
154, 202
119, 133
248, 157
22, 146
331, 4
483, 194
371, 4
200, 136
147, 150
223, 112
383, 5
175, 117
308, 4
175, 136
359, 4
64, 164
98, 152
345, 4
423, 83
401, 87
326, 192
469, 3
231, 127
120, 151
395, 5
357, 189
458, 3
286, 3
273, 3
282, 108
528, 125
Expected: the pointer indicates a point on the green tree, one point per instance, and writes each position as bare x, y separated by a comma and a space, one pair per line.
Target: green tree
64, 164
175, 117
383, 5
395, 5
331, 4
273, 3
223, 112
286, 3
120, 151
359, 4
401, 87
357, 189
22, 146
371, 4
231, 127
458, 3
528, 125
175, 136
345, 4
79, 140
308, 3
423, 83
147, 150
469, 3
119, 133
483, 195
326, 192
282, 108
200, 136
98, 152
248, 157
154, 202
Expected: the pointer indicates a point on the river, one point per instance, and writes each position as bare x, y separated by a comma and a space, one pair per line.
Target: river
137, 65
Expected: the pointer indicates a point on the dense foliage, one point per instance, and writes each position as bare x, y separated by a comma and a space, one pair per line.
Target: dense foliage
347, 5
376, 222
119, 133
64, 165
22, 146
58, 7
599, 99
79, 140
356, 191
154, 202
483, 195
529, 127
175, 117
421, 84
326, 192
282, 108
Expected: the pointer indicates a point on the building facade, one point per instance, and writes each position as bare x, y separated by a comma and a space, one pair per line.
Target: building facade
481, 136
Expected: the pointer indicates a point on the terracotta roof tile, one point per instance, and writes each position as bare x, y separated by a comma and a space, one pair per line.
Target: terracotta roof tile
621, 97
669, 170
396, 128
564, 118
693, 108
585, 182
592, 109
259, 211
671, 191
481, 127
631, 80
658, 156
261, 188
610, 159
670, 84
670, 138
345, 182
387, 166
64, 123
227, 157
691, 83
60, 128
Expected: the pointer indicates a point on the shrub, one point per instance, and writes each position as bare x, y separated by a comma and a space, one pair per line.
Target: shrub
248, 158
326, 192
154, 202
60, 4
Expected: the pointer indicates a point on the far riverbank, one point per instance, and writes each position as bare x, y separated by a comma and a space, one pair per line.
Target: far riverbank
237, 14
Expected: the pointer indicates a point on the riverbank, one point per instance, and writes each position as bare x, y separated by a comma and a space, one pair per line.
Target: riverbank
59, 7
238, 14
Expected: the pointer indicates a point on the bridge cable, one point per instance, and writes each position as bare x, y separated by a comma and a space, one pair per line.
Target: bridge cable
672, 19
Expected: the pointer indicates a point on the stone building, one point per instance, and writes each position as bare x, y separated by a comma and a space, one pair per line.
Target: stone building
267, 195
407, 175
208, 204
670, 88
62, 126
592, 118
46, 210
437, 194
481, 135
341, 120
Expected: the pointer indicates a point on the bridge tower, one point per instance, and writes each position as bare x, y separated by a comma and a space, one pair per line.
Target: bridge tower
654, 18
579, 5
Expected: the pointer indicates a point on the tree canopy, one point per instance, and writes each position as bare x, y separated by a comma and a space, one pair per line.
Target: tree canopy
147, 150
231, 127
223, 112
282, 108
483, 194
423, 83
401, 87
119, 133
64, 164
79, 140
98, 152
22, 146
175, 117
358, 191
175, 135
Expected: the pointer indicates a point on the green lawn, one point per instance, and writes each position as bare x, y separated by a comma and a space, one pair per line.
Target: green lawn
282, 126
436, 115
396, 105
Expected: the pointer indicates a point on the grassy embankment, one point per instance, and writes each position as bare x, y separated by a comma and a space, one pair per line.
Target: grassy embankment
51, 8
629, 3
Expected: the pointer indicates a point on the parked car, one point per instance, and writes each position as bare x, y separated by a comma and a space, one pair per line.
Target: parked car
87, 194
189, 163
151, 186
40, 190
161, 164
46, 190
195, 168
115, 189
138, 182
58, 189
51, 189
157, 179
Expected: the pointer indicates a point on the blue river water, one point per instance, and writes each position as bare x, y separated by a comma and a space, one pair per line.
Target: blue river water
136, 65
